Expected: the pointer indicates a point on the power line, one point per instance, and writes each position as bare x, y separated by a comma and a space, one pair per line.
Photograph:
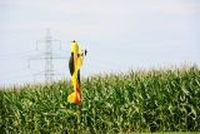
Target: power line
10, 54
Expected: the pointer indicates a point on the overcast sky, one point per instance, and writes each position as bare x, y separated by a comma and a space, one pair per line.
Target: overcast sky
119, 34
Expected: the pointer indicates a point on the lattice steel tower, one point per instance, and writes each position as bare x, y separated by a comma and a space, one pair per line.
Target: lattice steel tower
49, 68
48, 57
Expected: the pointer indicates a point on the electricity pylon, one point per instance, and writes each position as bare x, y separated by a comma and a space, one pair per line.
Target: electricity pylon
47, 56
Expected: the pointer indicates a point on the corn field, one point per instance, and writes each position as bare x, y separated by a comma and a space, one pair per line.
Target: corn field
162, 100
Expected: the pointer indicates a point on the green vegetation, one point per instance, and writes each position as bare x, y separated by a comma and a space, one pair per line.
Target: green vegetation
141, 101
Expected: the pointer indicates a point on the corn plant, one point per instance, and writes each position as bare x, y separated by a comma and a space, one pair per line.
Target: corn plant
137, 101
